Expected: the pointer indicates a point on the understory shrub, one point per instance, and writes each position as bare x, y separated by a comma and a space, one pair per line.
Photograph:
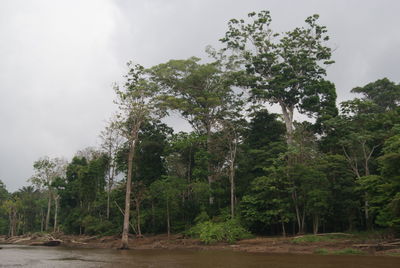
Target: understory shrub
211, 232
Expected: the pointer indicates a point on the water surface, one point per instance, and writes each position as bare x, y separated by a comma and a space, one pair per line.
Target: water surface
28, 256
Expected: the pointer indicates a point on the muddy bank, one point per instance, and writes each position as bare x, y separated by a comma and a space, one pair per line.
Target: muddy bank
346, 244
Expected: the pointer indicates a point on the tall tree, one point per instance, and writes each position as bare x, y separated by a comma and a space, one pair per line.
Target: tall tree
111, 144
46, 171
383, 92
137, 103
286, 69
200, 92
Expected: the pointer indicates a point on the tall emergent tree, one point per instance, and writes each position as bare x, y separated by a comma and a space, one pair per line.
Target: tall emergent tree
200, 92
286, 69
137, 103
111, 144
46, 171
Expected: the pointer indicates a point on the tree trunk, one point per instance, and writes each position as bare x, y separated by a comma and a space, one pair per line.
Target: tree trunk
303, 221
232, 181
287, 112
110, 183
232, 193
209, 167
55, 213
139, 231
299, 218
108, 199
232, 152
168, 220
14, 222
125, 231
48, 212
108, 203
315, 224
10, 230
153, 216
41, 220
283, 228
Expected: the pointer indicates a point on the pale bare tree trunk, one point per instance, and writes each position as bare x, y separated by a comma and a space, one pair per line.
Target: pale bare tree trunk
352, 160
288, 118
10, 228
315, 224
299, 217
108, 194
168, 220
232, 192
153, 216
48, 212
139, 234
110, 182
233, 150
283, 228
303, 225
56, 198
41, 220
209, 167
14, 222
125, 231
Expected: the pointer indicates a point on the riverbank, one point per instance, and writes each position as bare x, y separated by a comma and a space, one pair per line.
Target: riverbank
335, 243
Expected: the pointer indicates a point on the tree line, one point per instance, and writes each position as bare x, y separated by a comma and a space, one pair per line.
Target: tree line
241, 168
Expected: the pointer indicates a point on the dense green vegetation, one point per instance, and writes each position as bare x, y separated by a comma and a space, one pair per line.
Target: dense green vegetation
242, 169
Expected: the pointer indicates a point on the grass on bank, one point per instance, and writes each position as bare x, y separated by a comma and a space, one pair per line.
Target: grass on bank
345, 251
319, 238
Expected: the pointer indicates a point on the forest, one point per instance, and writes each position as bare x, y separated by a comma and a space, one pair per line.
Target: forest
316, 166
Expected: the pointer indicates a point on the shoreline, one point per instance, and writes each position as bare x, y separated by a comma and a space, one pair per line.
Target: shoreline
346, 245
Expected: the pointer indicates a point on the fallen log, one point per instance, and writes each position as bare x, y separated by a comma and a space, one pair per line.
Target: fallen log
52, 243
77, 242
379, 246
21, 240
344, 234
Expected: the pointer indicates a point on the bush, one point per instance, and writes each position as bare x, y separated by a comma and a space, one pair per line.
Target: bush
349, 251
321, 251
317, 238
211, 232
94, 226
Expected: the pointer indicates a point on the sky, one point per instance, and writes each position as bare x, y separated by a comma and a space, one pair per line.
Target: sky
60, 58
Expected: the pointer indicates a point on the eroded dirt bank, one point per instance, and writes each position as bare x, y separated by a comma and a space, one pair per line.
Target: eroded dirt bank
344, 244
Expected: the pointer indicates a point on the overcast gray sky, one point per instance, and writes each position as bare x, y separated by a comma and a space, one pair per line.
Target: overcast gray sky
58, 59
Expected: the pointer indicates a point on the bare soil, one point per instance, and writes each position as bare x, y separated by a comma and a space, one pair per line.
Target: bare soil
254, 245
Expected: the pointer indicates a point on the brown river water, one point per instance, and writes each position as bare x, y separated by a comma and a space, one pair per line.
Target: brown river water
28, 256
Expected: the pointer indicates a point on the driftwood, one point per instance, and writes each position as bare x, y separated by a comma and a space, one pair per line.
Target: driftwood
20, 240
324, 234
380, 246
344, 234
90, 238
77, 242
51, 243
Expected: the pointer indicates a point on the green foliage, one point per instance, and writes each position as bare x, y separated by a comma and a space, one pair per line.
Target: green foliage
348, 251
202, 217
93, 226
383, 92
211, 232
321, 251
267, 202
337, 174
317, 238
345, 251
284, 68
